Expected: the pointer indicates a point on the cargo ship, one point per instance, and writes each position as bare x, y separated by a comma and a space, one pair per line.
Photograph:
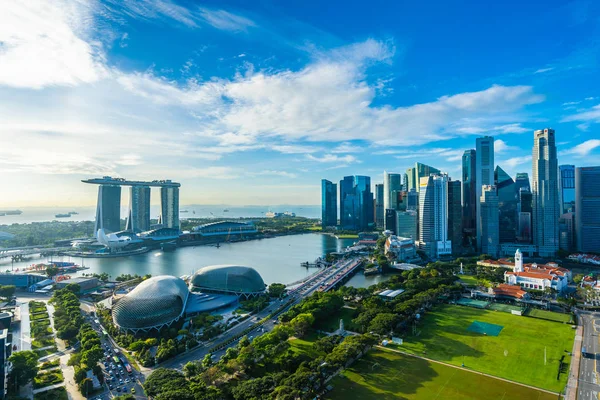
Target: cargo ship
62, 215
10, 212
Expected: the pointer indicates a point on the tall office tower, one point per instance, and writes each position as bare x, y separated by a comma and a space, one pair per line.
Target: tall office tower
490, 229
5, 351
566, 231
405, 182
433, 216
328, 203
406, 224
108, 209
356, 203
454, 214
412, 200
169, 206
469, 198
567, 188
545, 193
507, 203
379, 207
392, 183
419, 171
484, 175
587, 209
390, 220
138, 219
522, 181
524, 231
399, 200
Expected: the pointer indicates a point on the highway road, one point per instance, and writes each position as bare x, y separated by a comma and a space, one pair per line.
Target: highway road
324, 280
589, 384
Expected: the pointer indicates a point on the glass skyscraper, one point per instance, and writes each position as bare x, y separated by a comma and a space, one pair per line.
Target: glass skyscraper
587, 216
392, 184
454, 214
484, 175
507, 205
490, 229
356, 203
328, 203
379, 206
433, 216
544, 188
567, 188
108, 209
139, 209
169, 206
469, 198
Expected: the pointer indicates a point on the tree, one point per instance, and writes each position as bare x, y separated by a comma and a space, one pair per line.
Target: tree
164, 380
24, 367
383, 323
92, 356
7, 291
86, 386
578, 278
52, 271
207, 361
73, 287
192, 368
276, 289
302, 323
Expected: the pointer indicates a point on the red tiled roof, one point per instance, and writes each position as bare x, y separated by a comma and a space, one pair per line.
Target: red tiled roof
509, 290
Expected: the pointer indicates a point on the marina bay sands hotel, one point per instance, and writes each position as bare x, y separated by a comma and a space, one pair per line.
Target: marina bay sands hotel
108, 209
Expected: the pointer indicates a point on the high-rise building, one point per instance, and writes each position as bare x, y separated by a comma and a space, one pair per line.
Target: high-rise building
379, 207
108, 209
419, 171
522, 181
454, 214
484, 175
328, 203
490, 229
412, 202
169, 207
138, 219
525, 211
567, 188
406, 224
433, 216
391, 182
390, 220
587, 206
566, 232
469, 198
545, 193
356, 203
507, 204
405, 182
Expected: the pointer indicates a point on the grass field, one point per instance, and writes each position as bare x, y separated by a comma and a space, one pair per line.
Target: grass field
469, 280
549, 315
516, 354
332, 324
383, 375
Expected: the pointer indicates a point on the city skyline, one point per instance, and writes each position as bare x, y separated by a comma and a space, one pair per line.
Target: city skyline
255, 105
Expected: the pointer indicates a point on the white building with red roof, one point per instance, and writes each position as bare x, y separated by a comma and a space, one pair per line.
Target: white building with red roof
538, 277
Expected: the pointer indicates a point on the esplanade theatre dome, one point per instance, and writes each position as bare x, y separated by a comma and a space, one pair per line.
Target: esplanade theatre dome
153, 304
228, 279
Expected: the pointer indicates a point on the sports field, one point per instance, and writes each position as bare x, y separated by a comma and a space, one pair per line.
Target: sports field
517, 353
382, 374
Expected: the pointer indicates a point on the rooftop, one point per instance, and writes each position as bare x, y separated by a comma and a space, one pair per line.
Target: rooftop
108, 180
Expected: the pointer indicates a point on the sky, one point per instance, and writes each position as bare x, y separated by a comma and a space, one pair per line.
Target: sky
253, 103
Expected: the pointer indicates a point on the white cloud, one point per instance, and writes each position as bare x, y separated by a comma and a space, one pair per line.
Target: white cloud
571, 103
590, 115
295, 149
591, 98
500, 146
123, 41
284, 174
347, 147
437, 153
515, 161
44, 44
225, 20
327, 158
583, 149
542, 70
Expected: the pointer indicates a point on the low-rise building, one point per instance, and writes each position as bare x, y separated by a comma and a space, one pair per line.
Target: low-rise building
84, 283
390, 294
504, 290
538, 277
403, 249
585, 258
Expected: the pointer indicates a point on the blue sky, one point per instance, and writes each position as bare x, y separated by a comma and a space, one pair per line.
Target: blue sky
255, 102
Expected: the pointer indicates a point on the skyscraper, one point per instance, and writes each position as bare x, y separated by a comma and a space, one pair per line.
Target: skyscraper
169, 207
469, 198
412, 200
522, 181
406, 224
356, 202
567, 188
587, 204
507, 204
108, 209
390, 220
545, 193
484, 175
454, 214
524, 233
328, 203
138, 219
379, 207
490, 229
418, 172
433, 216
392, 183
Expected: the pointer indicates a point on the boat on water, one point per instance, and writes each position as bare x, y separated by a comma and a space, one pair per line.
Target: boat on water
73, 212
63, 215
183, 211
10, 212
225, 210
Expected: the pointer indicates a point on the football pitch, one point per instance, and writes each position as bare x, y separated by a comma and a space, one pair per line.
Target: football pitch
382, 374
526, 350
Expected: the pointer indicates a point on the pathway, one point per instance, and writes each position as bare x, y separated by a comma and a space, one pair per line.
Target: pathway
60, 344
69, 374
466, 369
573, 382
46, 388
22, 338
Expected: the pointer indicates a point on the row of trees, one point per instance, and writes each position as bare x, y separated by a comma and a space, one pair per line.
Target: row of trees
67, 315
87, 358
41, 233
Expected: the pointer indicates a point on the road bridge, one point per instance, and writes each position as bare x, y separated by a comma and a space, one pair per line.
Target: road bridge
17, 252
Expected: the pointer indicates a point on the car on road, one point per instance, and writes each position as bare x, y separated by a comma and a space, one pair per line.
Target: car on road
133, 390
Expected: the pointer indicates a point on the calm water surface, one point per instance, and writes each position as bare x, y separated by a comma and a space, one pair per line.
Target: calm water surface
277, 259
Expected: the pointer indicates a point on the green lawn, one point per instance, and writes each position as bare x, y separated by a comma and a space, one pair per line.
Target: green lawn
549, 315
516, 354
305, 345
47, 378
59, 393
382, 375
469, 280
347, 236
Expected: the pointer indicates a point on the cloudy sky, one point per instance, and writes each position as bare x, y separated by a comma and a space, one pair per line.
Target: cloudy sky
255, 102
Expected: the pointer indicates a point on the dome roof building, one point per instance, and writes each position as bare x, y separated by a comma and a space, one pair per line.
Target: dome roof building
228, 279
155, 303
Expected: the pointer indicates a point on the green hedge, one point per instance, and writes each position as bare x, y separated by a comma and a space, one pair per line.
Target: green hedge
59, 393
47, 378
